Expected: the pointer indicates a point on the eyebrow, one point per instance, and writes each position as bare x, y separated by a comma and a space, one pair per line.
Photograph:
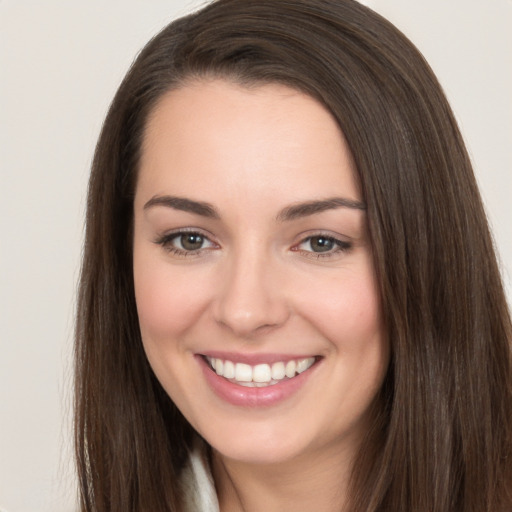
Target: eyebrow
185, 205
291, 212
299, 210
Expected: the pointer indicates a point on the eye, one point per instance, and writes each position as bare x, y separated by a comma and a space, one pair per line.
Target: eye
190, 241
319, 244
322, 245
185, 243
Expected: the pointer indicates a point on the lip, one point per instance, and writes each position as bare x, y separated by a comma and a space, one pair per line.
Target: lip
243, 396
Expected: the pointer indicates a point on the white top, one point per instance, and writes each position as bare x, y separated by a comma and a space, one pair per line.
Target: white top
197, 482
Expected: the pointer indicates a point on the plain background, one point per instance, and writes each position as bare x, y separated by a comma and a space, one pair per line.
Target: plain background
60, 64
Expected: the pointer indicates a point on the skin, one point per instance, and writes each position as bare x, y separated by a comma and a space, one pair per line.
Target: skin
258, 285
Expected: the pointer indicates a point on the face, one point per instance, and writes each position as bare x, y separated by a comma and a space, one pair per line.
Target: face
254, 280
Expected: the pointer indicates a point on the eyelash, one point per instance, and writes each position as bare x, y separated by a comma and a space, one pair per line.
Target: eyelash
166, 241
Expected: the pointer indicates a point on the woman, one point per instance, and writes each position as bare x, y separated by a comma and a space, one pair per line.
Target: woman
289, 295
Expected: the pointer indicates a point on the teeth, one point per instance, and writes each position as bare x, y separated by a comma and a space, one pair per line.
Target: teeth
229, 370
303, 365
290, 369
259, 375
243, 372
257, 384
278, 371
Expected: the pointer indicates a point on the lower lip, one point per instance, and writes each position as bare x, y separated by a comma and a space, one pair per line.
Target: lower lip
253, 397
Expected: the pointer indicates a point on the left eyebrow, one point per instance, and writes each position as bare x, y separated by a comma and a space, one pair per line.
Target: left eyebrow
185, 205
307, 208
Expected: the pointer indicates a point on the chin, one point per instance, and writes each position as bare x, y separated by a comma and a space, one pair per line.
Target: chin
259, 446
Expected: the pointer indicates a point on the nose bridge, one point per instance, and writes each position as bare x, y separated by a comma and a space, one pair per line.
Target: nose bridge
249, 297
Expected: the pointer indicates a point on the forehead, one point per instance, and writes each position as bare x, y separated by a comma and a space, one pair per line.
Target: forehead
217, 135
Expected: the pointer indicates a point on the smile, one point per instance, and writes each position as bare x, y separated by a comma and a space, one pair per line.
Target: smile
259, 375
257, 380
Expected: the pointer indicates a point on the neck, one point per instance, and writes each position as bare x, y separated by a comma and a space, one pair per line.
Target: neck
314, 482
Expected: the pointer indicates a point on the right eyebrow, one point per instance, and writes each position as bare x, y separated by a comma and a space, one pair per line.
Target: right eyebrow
185, 205
307, 208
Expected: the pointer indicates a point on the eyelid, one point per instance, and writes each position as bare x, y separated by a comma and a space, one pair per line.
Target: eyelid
312, 233
178, 231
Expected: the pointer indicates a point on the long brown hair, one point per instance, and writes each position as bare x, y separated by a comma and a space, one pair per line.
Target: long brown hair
442, 432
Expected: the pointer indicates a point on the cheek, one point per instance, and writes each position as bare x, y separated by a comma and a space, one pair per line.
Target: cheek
169, 301
346, 310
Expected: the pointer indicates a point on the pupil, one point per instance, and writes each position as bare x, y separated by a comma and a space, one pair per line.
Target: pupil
321, 244
191, 241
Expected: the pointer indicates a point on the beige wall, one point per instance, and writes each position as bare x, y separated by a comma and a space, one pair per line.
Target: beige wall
60, 63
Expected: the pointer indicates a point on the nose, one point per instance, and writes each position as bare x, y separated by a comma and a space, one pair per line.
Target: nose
251, 299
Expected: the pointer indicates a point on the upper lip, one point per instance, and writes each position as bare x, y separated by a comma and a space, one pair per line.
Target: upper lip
254, 359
